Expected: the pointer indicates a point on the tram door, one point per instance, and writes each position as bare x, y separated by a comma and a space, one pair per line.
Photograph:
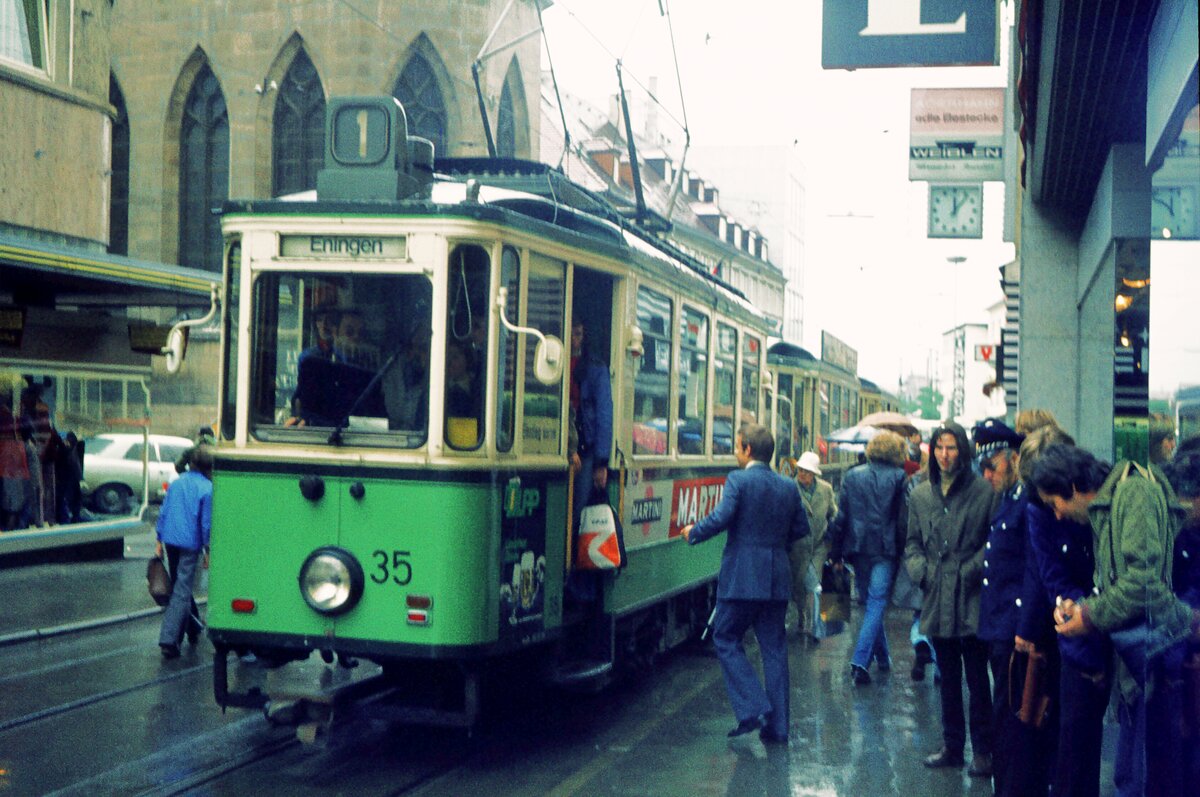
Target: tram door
591, 306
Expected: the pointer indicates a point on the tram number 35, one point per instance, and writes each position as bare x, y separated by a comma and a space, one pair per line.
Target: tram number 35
391, 566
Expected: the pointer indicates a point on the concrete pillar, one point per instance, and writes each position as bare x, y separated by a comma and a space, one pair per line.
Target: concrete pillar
1048, 369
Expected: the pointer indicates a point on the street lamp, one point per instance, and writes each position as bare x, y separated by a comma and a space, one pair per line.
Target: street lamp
958, 395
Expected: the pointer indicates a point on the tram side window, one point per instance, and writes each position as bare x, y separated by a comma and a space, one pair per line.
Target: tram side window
825, 391
466, 346
506, 364
652, 388
233, 284
344, 352
750, 370
541, 428
785, 435
801, 410
725, 388
693, 382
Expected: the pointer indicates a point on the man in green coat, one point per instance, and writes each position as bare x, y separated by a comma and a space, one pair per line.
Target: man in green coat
949, 515
1134, 520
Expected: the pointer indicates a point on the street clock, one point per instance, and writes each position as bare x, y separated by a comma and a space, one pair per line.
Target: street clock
1173, 212
955, 211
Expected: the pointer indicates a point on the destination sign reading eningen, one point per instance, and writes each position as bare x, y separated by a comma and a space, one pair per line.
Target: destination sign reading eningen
343, 247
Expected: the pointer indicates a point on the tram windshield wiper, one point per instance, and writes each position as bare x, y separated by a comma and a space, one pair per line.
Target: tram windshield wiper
335, 437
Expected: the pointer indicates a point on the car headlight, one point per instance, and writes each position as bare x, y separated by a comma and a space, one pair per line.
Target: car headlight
331, 580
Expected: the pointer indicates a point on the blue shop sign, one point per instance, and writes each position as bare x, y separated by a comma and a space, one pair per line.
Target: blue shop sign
885, 33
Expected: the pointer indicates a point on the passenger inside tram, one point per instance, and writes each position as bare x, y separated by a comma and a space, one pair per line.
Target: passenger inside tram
405, 383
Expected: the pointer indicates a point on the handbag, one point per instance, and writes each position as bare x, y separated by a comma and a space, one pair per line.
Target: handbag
158, 581
835, 593
601, 541
1035, 700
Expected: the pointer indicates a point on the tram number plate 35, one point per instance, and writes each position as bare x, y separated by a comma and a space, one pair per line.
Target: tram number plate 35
391, 566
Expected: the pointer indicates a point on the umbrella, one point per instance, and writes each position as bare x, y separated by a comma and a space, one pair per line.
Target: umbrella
892, 421
859, 434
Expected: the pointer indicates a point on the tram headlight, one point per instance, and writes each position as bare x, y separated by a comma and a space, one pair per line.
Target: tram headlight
331, 580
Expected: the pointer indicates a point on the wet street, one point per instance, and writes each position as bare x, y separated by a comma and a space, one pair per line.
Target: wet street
95, 711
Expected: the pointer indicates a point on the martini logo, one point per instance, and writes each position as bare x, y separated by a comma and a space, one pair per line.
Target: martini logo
647, 510
693, 500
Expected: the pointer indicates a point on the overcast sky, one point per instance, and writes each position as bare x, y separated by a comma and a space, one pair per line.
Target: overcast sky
751, 73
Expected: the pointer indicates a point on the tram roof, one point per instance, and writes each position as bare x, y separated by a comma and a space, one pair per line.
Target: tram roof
790, 354
529, 189
77, 276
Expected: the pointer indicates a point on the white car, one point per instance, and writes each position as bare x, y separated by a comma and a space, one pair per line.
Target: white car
113, 474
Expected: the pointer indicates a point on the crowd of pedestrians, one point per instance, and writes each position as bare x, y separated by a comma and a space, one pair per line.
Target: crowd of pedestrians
40, 470
1053, 583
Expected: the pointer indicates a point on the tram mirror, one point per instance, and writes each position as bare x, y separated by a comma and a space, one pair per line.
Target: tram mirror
548, 360
768, 384
637, 345
176, 345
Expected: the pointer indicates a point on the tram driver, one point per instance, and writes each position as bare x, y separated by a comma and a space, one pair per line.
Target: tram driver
331, 379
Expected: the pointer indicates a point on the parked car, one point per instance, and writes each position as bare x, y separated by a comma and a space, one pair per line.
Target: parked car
112, 468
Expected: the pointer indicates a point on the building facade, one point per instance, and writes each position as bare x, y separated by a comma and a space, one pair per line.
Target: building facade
687, 205
765, 185
229, 100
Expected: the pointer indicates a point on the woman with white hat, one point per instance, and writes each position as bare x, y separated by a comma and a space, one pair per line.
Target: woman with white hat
809, 554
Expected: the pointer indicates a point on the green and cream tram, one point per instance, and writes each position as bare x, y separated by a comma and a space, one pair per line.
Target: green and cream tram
392, 478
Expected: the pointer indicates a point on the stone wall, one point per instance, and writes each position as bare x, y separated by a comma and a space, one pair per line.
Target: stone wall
159, 45
54, 149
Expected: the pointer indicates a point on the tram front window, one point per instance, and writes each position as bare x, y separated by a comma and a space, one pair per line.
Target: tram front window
341, 352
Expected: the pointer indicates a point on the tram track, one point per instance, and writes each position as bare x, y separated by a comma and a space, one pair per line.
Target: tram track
90, 700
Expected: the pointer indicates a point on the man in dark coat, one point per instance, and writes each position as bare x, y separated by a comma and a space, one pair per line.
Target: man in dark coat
1020, 766
868, 532
948, 519
764, 516
591, 398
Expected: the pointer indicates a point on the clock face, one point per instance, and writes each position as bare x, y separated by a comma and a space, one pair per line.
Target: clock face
1173, 212
956, 211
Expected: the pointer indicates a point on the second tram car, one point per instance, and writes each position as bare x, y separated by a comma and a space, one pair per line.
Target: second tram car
392, 478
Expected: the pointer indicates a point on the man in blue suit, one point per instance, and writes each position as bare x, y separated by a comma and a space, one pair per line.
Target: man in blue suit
764, 516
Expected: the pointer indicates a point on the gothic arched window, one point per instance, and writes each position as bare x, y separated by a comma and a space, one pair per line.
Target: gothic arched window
417, 89
506, 125
203, 172
299, 130
118, 193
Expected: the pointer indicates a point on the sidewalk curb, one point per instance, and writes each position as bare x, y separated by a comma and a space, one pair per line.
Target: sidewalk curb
17, 637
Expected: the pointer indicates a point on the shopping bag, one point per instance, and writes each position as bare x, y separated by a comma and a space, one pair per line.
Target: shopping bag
835, 593
601, 543
158, 581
